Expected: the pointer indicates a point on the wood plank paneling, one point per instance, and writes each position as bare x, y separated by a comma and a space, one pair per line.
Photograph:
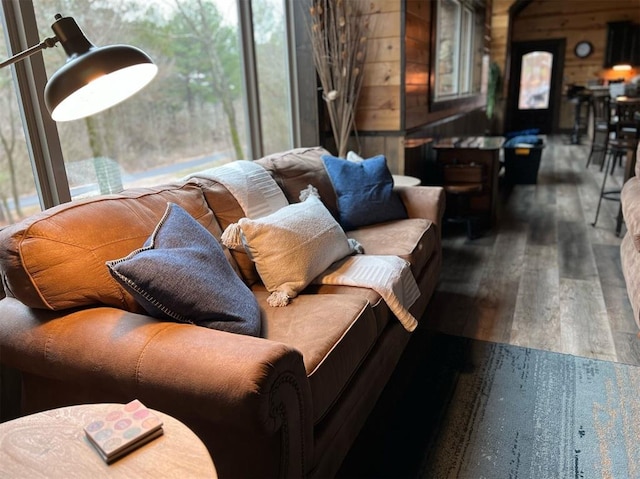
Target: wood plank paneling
380, 98
417, 44
379, 6
391, 146
574, 20
386, 24
419, 9
387, 49
395, 94
417, 52
379, 105
417, 28
382, 74
377, 120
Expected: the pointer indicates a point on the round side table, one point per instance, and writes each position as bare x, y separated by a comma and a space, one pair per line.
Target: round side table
403, 180
53, 444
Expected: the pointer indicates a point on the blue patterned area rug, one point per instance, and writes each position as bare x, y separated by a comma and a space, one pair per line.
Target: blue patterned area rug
474, 409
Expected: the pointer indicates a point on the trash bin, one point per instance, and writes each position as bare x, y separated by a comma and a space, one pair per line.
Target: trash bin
521, 163
522, 154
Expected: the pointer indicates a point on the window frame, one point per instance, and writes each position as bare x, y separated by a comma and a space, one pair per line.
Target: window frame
473, 54
41, 132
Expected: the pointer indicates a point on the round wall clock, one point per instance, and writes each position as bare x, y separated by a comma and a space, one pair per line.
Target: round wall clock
583, 49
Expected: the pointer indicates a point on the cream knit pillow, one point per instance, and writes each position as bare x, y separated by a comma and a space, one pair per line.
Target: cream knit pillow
291, 246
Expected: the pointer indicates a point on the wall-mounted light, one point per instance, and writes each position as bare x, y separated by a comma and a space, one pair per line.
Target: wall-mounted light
622, 68
93, 78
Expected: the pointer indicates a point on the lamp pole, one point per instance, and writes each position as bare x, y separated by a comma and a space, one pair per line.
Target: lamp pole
46, 43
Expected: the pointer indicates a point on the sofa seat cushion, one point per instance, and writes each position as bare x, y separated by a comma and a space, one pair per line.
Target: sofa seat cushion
334, 333
381, 311
414, 240
56, 259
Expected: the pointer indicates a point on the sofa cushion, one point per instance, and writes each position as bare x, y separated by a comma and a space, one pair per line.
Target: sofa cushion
56, 259
334, 333
364, 190
381, 311
630, 198
414, 240
181, 274
630, 261
292, 246
295, 169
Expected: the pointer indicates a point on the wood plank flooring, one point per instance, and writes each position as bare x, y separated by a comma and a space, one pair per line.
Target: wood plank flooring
543, 277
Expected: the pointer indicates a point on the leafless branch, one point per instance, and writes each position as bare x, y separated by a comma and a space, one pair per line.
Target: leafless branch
339, 42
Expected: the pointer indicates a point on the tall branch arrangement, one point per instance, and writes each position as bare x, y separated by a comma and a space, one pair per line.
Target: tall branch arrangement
339, 42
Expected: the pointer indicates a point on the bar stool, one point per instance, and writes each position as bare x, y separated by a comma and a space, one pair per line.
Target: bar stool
460, 183
623, 146
602, 128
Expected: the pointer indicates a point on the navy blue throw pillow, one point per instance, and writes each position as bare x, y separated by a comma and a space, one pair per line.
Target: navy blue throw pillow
181, 274
364, 190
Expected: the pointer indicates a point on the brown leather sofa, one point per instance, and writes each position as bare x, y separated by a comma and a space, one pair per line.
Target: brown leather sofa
287, 404
630, 246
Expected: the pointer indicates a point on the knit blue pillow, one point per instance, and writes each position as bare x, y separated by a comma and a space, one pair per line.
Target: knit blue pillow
364, 190
181, 274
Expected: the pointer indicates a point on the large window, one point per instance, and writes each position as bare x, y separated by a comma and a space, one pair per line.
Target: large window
459, 49
17, 187
193, 116
272, 68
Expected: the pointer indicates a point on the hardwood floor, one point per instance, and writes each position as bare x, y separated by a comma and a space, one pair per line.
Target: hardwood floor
544, 277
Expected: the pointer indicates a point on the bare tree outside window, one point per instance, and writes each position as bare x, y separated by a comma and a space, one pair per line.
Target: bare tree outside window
190, 118
16, 177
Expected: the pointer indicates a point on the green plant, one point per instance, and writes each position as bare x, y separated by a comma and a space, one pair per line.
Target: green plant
493, 88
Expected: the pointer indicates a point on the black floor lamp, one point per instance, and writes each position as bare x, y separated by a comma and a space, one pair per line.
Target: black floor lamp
93, 78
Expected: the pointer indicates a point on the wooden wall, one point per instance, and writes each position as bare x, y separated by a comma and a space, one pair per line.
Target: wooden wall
574, 20
417, 44
395, 94
380, 102
417, 52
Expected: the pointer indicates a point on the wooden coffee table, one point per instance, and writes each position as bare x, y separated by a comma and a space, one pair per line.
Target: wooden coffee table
53, 444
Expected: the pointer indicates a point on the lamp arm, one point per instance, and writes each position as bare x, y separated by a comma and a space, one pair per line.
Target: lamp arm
46, 43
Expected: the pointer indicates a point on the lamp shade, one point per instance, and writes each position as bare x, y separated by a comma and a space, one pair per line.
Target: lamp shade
94, 78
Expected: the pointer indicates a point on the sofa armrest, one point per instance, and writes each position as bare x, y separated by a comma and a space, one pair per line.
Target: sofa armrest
204, 377
426, 202
630, 198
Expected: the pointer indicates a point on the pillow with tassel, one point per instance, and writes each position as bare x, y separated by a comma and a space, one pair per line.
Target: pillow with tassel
291, 246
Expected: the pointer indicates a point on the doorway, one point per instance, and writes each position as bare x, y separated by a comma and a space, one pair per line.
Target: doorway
535, 85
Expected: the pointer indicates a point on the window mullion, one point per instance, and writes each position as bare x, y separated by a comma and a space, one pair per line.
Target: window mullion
41, 132
250, 76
